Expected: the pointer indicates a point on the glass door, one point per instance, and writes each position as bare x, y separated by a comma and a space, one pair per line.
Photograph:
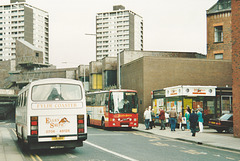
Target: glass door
226, 104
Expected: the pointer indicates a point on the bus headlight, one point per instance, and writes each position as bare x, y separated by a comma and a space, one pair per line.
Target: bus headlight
135, 119
119, 119
130, 119
113, 119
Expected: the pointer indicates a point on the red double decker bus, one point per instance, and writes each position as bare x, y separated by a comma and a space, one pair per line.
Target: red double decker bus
113, 108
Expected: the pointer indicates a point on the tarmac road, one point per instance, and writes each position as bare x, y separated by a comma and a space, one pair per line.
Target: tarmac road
114, 144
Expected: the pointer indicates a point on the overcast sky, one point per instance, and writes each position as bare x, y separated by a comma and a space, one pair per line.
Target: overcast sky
168, 25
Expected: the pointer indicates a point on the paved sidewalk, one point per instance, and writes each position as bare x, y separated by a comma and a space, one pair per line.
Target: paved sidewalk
8, 149
208, 137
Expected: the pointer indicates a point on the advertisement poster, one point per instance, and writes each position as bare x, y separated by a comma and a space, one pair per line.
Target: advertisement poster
179, 106
187, 102
171, 104
157, 104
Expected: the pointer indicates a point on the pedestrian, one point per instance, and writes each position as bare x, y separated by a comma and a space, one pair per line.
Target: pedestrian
188, 109
152, 124
166, 119
147, 117
187, 115
193, 122
162, 119
199, 108
173, 116
200, 120
180, 120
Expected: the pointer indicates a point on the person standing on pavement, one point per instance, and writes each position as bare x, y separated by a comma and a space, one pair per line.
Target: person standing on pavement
188, 109
162, 119
180, 120
152, 124
173, 116
193, 122
147, 117
200, 120
187, 115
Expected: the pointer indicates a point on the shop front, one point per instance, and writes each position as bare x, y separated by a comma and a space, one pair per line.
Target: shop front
181, 97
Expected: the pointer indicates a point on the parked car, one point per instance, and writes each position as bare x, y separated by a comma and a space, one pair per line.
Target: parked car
225, 122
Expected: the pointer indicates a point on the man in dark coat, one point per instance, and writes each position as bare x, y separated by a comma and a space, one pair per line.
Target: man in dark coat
193, 122
162, 118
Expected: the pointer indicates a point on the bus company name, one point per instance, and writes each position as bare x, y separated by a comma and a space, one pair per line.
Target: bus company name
125, 115
56, 122
57, 105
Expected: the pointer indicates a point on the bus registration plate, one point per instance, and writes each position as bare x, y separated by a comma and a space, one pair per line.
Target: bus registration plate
57, 138
124, 125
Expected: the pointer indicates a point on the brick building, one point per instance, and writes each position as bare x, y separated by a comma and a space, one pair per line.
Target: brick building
150, 72
236, 66
219, 31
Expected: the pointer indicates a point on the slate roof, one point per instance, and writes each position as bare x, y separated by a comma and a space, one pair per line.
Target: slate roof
220, 6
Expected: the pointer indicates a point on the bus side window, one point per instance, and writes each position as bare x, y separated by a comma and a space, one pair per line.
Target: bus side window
24, 99
19, 100
88, 100
93, 99
26, 96
111, 105
106, 96
21, 103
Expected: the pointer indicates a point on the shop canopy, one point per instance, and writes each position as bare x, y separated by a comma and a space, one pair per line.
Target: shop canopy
192, 91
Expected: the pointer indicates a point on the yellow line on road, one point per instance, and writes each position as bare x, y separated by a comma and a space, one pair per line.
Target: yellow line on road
38, 157
14, 132
35, 157
32, 157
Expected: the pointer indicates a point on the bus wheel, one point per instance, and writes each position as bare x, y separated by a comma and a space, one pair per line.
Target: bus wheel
103, 124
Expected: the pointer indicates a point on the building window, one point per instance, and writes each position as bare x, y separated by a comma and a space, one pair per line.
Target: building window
218, 32
37, 54
218, 56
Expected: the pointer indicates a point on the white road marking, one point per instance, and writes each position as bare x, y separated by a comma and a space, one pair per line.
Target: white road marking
194, 152
109, 151
104, 134
230, 158
159, 144
70, 155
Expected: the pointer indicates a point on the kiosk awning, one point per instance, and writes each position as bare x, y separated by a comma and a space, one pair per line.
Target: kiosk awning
185, 90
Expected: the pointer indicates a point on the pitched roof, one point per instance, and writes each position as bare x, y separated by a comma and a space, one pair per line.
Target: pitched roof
220, 6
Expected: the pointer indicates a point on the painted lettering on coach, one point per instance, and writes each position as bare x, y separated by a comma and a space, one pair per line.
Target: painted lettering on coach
55, 105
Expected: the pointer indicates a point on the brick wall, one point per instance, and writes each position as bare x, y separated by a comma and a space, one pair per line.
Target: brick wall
225, 47
151, 73
236, 66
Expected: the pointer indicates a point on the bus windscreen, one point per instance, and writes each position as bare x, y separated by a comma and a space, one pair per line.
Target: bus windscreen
123, 102
56, 92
